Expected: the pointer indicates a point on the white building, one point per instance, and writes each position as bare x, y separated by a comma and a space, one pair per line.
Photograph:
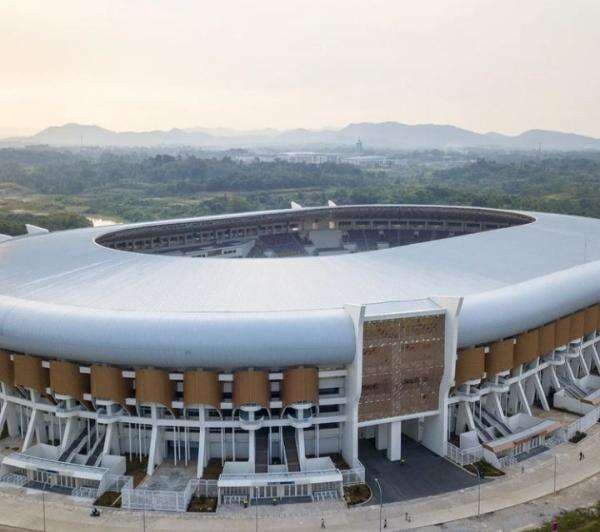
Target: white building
459, 327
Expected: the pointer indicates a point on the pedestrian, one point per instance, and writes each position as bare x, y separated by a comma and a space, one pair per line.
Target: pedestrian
581, 456
322, 522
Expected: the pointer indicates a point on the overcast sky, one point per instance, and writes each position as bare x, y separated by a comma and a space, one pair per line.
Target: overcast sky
504, 65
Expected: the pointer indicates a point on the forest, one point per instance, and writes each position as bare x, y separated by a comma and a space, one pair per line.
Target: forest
61, 189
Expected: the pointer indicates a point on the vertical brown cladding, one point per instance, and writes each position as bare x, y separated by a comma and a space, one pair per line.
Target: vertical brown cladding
300, 385
590, 322
500, 357
577, 327
251, 387
66, 379
202, 388
7, 370
470, 365
29, 373
154, 386
547, 338
527, 347
563, 331
108, 383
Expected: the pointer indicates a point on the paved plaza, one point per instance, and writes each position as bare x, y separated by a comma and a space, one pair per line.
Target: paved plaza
422, 473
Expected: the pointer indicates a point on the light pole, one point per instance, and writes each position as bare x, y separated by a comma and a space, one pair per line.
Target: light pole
256, 514
44, 508
555, 464
380, 501
478, 490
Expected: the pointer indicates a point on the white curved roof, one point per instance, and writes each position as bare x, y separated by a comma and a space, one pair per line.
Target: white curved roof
62, 294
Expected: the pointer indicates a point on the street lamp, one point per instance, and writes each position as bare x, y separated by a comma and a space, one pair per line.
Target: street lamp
555, 464
380, 501
44, 508
478, 490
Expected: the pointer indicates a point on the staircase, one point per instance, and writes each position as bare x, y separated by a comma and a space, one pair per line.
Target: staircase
482, 430
572, 389
492, 421
76, 444
261, 450
291, 450
96, 451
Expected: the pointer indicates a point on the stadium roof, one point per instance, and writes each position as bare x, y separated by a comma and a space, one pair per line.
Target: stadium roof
63, 294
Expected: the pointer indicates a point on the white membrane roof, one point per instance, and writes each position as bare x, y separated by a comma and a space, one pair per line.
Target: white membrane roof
62, 294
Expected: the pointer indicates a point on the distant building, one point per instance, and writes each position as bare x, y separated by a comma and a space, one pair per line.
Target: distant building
310, 157
369, 161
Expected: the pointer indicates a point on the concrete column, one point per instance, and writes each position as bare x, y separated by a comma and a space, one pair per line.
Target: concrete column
155, 451
394, 440
381, 436
540, 392
33, 420
10, 414
201, 445
523, 397
595, 357
252, 447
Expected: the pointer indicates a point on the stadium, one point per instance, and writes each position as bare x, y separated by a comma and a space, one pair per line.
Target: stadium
268, 347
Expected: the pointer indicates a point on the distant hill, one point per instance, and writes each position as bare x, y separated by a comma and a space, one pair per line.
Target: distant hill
389, 135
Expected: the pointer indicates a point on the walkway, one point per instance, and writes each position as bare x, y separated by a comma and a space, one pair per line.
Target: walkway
535, 480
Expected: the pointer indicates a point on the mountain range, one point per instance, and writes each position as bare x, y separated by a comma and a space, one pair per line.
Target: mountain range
383, 135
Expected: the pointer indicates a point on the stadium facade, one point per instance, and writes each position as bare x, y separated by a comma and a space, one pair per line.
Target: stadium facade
270, 343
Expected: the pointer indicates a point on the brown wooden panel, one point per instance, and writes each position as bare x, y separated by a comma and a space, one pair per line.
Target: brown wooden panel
7, 370
403, 365
590, 322
107, 383
500, 357
202, 388
577, 326
563, 331
251, 387
470, 365
527, 347
29, 373
154, 386
547, 338
300, 385
66, 379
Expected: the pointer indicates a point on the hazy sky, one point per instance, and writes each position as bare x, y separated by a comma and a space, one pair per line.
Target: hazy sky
504, 65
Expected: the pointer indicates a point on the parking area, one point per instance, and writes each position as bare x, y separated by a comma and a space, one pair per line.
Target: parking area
423, 473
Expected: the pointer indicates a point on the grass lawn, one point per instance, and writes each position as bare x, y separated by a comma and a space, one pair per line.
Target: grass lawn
357, 494
109, 498
203, 504
213, 469
580, 520
487, 469
137, 469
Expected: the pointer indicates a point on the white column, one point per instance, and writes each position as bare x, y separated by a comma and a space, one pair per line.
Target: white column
523, 397
201, 444
252, 447
540, 392
108, 438
381, 433
394, 440
33, 420
3, 415
155, 450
